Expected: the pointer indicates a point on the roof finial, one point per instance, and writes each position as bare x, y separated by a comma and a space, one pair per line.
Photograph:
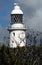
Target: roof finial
15, 4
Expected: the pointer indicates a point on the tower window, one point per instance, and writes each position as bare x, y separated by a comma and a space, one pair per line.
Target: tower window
12, 41
14, 34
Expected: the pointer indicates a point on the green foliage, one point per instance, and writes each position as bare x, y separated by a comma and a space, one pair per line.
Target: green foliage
21, 55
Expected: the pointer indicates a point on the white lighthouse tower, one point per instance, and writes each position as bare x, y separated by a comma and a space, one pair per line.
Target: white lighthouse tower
17, 28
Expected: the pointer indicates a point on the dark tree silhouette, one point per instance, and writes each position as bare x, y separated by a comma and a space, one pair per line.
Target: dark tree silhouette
21, 55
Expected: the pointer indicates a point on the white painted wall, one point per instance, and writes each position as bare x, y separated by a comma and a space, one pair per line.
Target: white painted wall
18, 39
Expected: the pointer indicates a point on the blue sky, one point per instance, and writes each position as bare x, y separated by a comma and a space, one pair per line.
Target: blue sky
32, 13
5, 9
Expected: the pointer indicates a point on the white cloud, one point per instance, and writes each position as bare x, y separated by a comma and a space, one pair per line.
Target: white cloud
32, 3
34, 20
3, 33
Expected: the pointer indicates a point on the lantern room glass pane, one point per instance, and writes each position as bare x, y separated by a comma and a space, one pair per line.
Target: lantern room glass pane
16, 18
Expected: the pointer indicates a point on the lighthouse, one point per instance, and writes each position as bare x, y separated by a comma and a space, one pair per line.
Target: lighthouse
17, 29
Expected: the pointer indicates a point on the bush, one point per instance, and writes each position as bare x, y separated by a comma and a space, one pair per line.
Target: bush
21, 55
